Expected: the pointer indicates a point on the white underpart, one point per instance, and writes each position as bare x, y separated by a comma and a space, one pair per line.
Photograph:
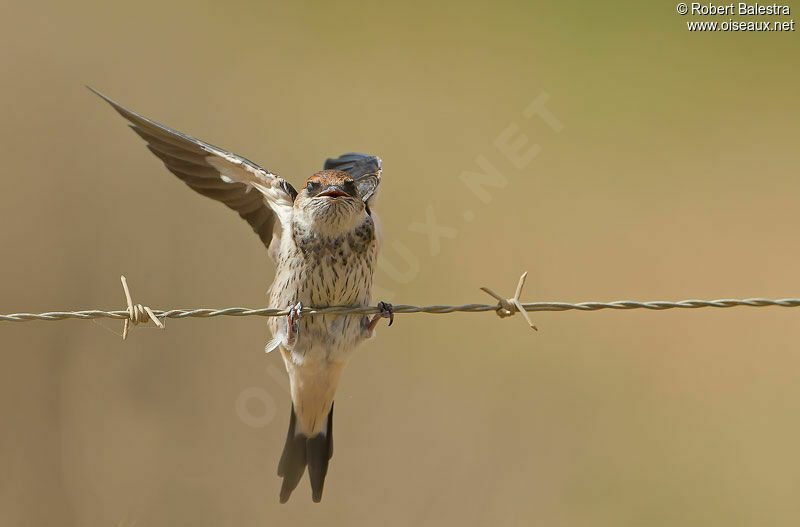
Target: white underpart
336, 275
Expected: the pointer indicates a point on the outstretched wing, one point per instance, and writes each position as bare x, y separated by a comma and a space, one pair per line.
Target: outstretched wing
217, 174
364, 169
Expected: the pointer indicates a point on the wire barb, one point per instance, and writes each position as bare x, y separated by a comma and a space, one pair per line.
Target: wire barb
137, 313
507, 307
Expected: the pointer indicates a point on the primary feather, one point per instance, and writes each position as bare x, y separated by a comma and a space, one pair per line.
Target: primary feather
217, 174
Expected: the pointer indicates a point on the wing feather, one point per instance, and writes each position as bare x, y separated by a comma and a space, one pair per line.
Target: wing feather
260, 197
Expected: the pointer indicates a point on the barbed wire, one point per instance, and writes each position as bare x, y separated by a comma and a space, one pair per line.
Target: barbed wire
505, 307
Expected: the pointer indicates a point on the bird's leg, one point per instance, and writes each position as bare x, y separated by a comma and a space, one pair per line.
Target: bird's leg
295, 312
387, 311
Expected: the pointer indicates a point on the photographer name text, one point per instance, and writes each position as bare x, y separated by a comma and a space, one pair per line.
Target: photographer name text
742, 8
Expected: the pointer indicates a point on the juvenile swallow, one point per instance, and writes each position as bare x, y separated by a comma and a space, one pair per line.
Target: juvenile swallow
324, 241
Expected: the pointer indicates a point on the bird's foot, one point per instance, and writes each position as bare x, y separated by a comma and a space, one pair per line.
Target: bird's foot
295, 312
387, 311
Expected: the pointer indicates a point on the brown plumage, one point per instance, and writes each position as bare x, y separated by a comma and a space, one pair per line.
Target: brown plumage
327, 258
324, 241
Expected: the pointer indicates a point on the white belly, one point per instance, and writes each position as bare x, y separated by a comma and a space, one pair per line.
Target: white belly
337, 276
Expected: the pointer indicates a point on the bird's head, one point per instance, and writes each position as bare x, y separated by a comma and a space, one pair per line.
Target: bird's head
330, 201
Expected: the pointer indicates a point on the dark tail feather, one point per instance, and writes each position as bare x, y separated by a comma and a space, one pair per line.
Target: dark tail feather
301, 450
293, 460
319, 450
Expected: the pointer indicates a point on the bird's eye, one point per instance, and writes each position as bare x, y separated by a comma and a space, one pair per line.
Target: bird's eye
350, 186
309, 186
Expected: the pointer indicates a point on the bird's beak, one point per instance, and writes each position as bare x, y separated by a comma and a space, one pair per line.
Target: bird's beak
334, 191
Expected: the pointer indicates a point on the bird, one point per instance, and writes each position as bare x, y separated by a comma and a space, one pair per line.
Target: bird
324, 240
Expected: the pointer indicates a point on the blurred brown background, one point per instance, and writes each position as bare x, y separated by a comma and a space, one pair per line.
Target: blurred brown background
674, 176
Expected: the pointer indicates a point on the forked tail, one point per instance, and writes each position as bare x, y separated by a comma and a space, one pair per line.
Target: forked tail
301, 451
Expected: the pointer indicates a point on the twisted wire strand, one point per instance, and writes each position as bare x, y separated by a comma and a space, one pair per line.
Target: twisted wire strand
505, 307
435, 309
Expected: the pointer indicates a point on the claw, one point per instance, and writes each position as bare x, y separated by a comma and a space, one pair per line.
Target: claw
295, 312
387, 311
